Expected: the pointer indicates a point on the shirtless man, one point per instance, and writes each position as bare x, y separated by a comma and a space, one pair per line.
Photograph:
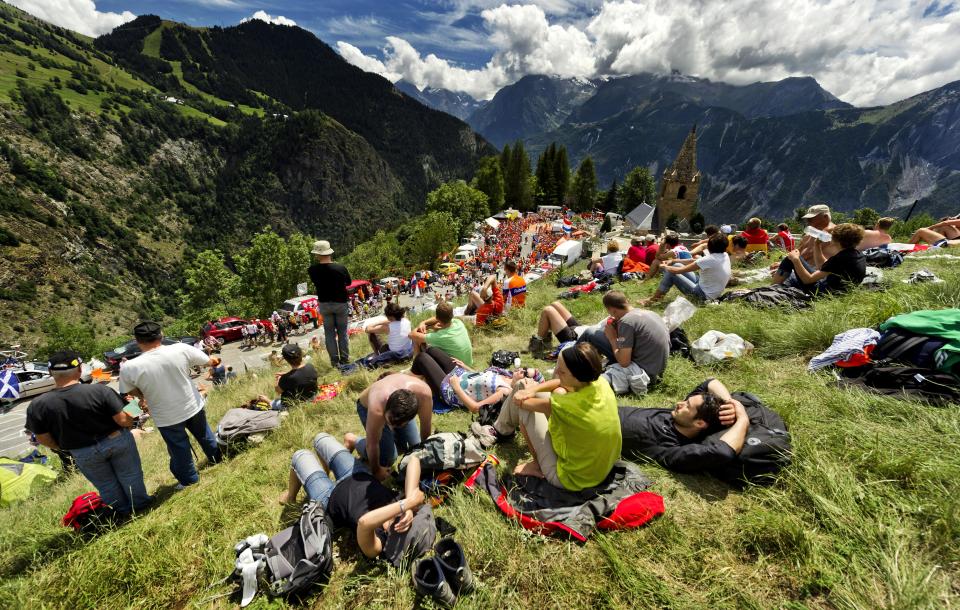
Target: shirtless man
878, 236
387, 410
818, 217
944, 233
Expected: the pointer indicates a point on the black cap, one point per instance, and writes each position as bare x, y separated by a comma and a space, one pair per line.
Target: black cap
66, 360
147, 331
291, 351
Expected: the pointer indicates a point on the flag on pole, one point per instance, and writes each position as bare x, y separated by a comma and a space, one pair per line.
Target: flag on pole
9, 385
567, 226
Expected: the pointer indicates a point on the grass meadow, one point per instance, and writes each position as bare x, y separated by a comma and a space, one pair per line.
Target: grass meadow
868, 516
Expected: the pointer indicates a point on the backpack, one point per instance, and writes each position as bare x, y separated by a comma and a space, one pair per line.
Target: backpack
446, 451
882, 257
503, 359
239, 425
680, 343
771, 296
293, 560
927, 385
87, 512
898, 345
766, 450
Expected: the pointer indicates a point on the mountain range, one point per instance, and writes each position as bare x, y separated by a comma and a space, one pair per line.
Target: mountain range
763, 148
121, 156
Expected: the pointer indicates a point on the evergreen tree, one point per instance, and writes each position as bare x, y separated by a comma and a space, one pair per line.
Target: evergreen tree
517, 188
489, 180
546, 179
584, 189
638, 187
505, 159
609, 203
561, 175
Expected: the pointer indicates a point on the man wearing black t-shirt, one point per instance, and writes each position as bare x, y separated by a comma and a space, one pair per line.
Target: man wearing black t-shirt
385, 526
674, 438
330, 280
90, 423
296, 385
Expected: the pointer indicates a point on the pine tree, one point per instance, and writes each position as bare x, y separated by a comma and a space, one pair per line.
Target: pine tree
505, 159
517, 180
561, 175
489, 180
584, 189
545, 176
609, 203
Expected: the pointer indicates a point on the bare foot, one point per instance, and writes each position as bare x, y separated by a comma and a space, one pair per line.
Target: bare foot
286, 499
350, 441
528, 469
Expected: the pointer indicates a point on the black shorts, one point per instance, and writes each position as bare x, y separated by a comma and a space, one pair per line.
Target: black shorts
569, 333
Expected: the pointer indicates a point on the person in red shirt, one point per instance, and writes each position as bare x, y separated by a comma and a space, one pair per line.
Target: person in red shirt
652, 248
783, 238
755, 234
637, 251
486, 302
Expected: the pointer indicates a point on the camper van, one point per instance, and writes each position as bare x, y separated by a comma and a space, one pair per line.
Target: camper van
567, 253
465, 254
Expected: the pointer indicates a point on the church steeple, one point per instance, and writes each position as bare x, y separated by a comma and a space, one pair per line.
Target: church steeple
680, 184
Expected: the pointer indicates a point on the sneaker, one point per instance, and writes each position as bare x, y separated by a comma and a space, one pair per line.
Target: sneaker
488, 435
429, 581
450, 556
179, 487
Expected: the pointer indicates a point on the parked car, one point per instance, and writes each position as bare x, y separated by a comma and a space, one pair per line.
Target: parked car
448, 268
34, 379
128, 350
230, 328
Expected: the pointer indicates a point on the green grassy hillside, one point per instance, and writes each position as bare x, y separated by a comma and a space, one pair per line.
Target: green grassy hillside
868, 516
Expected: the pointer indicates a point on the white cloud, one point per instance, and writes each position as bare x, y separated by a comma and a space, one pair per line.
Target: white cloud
864, 51
263, 16
77, 15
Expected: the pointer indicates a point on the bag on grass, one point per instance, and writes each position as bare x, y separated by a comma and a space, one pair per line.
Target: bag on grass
503, 359
926, 385
715, 346
680, 343
898, 345
446, 451
766, 450
87, 512
238, 425
882, 257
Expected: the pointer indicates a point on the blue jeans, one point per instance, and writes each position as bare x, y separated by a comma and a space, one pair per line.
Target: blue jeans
336, 316
687, 283
595, 337
392, 441
178, 446
786, 269
113, 466
316, 482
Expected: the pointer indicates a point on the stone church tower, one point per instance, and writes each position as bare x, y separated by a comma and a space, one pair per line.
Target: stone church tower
679, 185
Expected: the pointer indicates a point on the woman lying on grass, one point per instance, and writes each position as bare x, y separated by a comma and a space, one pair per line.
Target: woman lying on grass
570, 423
385, 527
457, 384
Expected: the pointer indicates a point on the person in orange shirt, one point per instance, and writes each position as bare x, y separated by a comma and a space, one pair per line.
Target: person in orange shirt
754, 233
515, 289
486, 302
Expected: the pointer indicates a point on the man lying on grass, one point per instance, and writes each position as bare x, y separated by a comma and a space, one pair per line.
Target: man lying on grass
674, 438
570, 422
385, 527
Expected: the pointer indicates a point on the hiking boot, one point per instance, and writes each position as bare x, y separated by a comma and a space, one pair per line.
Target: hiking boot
454, 563
488, 435
429, 581
538, 347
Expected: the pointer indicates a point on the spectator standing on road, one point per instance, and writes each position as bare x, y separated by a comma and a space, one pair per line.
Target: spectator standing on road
89, 422
330, 280
160, 377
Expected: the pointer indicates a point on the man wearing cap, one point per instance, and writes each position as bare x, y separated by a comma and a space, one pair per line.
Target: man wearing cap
160, 376
818, 217
330, 280
650, 240
297, 384
89, 422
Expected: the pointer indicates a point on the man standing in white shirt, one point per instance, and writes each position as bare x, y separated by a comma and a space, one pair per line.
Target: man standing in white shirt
160, 377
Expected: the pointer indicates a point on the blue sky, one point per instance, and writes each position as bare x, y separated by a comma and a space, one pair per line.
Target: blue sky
866, 52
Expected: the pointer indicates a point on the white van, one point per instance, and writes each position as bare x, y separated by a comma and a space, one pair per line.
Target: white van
465, 254
567, 253
300, 305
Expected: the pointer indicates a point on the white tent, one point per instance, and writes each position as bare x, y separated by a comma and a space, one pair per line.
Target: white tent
641, 217
493, 222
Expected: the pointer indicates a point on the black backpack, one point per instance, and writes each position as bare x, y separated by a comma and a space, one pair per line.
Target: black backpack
680, 343
898, 345
766, 450
882, 257
300, 556
503, 359
926, 385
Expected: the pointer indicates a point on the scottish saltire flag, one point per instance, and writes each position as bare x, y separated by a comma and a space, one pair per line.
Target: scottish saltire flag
9, 386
